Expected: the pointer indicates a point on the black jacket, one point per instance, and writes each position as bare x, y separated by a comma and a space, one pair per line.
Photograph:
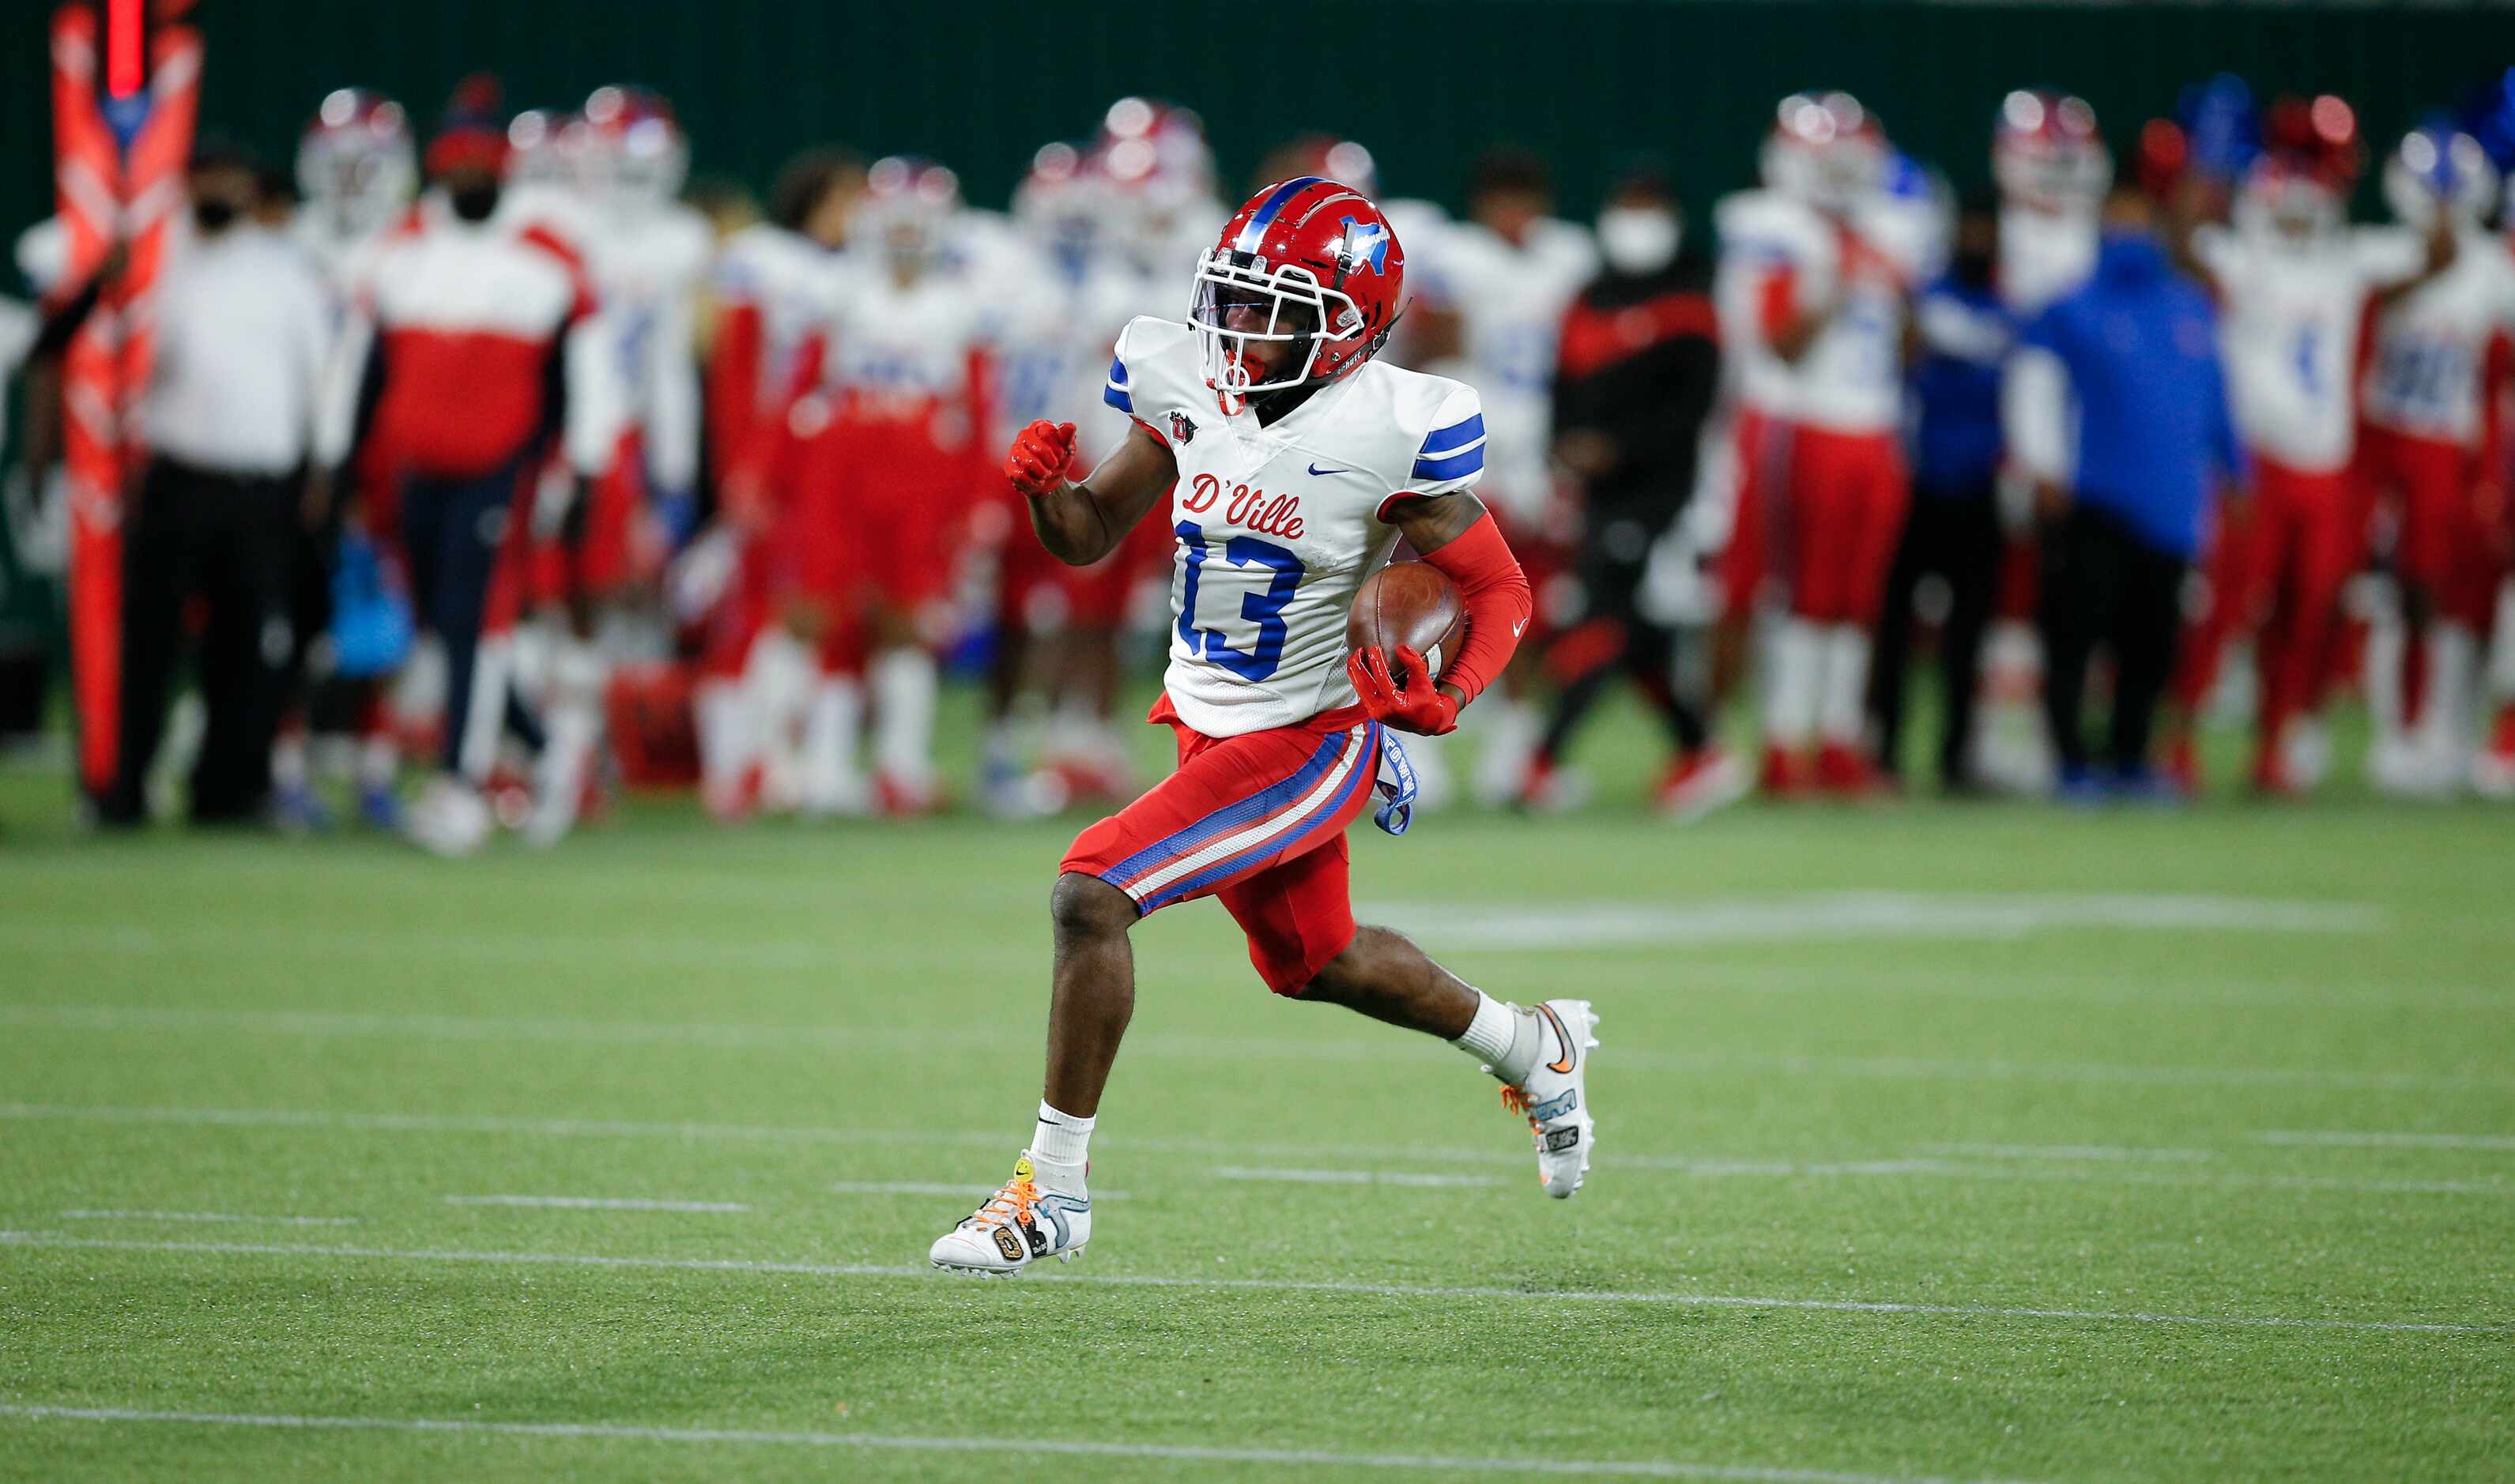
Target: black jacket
1640, 362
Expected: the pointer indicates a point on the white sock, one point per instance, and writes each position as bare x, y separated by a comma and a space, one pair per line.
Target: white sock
1843, 712
1792, 690
572, 715
2443, 739
289, 768
1060, 1149
379, 760
904, 714
723, 718
2386, 640
830, 728
1504, 1037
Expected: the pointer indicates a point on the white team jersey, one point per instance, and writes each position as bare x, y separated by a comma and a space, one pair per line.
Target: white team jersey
1053, 331
2424, 378
2288, 328
905, 351
1510, 302
1277, 526
2044, 255
791, 282
1850, 378
647, 272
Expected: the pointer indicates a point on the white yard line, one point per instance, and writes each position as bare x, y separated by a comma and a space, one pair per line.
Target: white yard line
2095, 1152
2348, 1139
1860, 915
1347, 1177
1194, 1047
938, 1187
595, 1203
2118, 1172
206, 1215
1061, 1447
45, 1239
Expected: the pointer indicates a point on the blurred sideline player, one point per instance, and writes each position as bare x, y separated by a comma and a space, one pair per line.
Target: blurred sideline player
647, 254
2433, 451
1160, 170
2293, 287
898, 378
461, 335
356, 170
2049, 163
1295, 462
771, 284
1635, 377
1493, 291
1054, 690
1818, 308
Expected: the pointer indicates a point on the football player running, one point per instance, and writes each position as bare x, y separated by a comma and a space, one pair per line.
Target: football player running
1294, 462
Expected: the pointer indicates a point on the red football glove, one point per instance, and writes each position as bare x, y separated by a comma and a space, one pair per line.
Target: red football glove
1418, 705
1039, 458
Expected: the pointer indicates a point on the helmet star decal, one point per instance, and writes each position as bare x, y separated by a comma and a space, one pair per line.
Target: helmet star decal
1365, 244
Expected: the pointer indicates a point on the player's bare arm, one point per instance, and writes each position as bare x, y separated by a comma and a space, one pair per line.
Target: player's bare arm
1081, 523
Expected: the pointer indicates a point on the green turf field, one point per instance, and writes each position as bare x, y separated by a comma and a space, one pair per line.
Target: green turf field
1936, 1140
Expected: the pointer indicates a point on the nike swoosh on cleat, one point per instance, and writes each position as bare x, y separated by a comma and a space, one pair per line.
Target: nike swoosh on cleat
1571, 1055
1323, 472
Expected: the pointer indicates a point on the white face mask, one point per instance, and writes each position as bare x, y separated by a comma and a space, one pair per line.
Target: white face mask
1637, 240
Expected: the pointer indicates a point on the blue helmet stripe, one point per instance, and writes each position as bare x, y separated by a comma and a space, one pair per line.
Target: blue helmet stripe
1256, 231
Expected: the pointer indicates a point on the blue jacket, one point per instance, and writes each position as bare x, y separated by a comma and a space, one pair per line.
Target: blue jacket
2154, 437
1954, 437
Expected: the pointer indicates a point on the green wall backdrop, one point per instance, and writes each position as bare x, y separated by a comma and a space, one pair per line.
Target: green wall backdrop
980, 83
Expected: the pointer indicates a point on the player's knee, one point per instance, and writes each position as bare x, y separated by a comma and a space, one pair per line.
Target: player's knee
1086, 906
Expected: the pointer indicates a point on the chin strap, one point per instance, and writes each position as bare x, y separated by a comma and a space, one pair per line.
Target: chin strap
1396, 785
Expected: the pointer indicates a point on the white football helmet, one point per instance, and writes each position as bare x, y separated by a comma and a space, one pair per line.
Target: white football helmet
2437, 165
636, 157
356, 163
2045, 151
2286, 201
909, 203
1825, 150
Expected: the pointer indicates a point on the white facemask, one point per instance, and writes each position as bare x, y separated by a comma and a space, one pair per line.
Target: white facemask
1637, 240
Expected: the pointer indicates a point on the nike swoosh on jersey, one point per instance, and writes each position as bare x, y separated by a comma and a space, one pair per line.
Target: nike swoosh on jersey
1322, 472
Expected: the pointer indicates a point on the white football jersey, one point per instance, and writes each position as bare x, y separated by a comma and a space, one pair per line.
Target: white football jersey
907, 353
1850, 378
1510, 302
1053, 329
790, 281
647, 274
1276, 527
2424, 378
2288, 328
2044, 255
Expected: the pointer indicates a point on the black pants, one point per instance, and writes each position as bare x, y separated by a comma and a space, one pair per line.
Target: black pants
229, 542
452, 529
1621, 640
2104, 584
1956, 535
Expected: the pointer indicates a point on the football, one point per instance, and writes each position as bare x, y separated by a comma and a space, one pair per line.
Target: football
1410, 604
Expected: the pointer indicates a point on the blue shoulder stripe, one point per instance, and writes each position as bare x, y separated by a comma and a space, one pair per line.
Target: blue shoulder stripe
1452, 466
1119, 397
1446, 440
1117, 371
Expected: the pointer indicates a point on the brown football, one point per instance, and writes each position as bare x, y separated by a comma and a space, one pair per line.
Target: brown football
1412, 604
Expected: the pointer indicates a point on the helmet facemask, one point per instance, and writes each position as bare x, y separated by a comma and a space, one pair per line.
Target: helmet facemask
1292, 313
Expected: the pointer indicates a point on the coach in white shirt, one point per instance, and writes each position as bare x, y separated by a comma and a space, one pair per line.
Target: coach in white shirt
244, 332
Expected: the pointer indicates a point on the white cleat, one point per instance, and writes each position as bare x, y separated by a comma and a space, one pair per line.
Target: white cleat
1018, 1225
450, 818
1556, 1097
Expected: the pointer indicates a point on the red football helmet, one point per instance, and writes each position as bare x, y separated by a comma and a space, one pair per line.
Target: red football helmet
2045, 151
1306, 275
